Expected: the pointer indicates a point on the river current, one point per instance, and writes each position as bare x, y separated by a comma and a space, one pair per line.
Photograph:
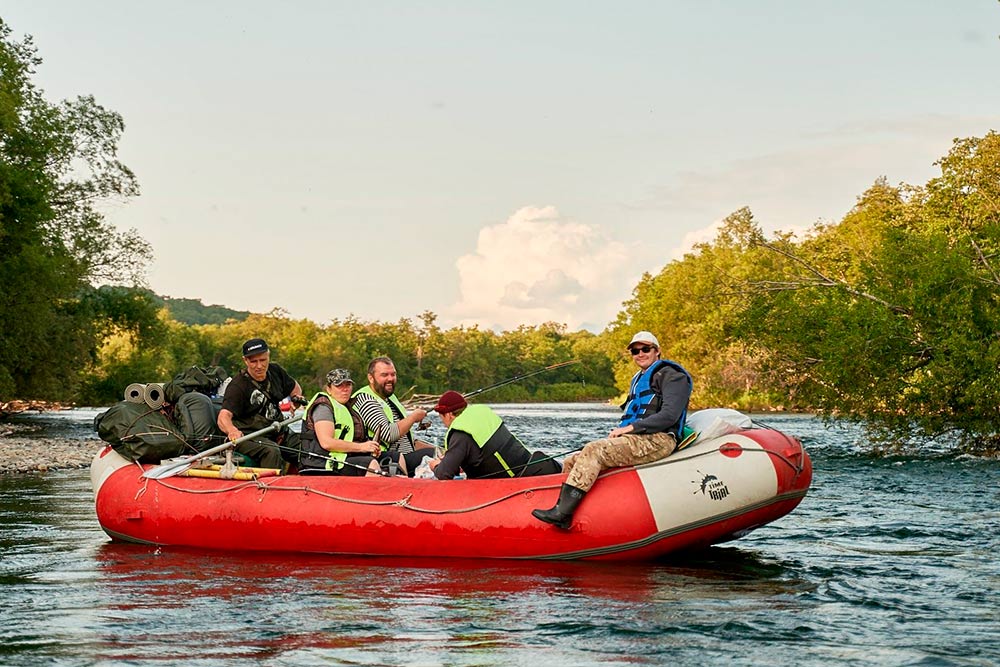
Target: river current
887, 561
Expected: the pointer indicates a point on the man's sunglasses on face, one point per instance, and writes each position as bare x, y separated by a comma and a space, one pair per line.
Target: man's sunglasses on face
636, 350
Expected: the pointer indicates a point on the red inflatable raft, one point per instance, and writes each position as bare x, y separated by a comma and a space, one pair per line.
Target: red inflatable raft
713, 491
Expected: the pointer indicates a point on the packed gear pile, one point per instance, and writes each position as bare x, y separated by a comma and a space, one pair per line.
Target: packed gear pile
159, 421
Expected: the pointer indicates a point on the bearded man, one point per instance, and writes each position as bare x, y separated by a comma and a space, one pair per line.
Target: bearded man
386, 420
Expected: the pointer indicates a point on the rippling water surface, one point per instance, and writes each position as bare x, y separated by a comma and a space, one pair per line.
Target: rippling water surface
888, 561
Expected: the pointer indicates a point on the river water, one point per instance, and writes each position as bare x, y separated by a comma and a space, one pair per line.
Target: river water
888, 561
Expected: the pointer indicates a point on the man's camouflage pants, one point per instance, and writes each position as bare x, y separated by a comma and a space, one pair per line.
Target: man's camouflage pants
625, 450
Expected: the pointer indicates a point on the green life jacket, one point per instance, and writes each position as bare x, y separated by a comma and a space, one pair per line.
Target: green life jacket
503, 454
313, 455
384, 404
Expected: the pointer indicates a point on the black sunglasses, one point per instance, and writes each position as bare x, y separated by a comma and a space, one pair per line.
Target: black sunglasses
636, 350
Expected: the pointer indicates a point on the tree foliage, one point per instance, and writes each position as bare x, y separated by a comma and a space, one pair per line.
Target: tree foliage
690, 305
57, 163
193, 311
429, 360
889, 316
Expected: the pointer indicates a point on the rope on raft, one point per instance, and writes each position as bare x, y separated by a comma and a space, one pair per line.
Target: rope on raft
271, 485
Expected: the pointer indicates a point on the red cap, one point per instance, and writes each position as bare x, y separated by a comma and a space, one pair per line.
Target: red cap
449, 402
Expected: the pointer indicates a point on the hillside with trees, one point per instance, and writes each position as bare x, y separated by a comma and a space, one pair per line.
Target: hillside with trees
193, 311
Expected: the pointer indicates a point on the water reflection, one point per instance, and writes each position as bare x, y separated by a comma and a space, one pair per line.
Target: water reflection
322, 604
186, 572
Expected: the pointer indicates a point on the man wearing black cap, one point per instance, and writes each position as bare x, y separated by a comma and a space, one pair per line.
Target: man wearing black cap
650, 428
251, 403
480, 443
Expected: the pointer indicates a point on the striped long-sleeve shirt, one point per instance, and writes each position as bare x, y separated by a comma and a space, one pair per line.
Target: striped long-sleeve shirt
385, 432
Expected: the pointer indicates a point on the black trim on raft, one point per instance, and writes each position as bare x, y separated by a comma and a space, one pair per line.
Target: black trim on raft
656, 537
120, 537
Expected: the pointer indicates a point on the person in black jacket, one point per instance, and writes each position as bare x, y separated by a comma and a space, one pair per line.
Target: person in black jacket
479, 443
649, 430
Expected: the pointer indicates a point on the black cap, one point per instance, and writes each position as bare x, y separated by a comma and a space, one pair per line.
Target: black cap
254, 346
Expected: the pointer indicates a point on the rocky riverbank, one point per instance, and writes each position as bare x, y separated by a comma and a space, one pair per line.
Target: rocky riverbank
21, 453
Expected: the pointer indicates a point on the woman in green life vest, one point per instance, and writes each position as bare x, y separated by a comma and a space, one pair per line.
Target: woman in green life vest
330, 438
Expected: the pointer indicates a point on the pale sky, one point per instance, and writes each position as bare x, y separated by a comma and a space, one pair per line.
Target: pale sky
500, 163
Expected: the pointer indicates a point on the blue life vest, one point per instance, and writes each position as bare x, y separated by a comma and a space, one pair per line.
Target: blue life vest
643, 401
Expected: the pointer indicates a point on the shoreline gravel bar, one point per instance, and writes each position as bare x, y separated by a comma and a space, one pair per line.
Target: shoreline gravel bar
21, 453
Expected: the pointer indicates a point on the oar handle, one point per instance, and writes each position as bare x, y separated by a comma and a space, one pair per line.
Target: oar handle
175, 467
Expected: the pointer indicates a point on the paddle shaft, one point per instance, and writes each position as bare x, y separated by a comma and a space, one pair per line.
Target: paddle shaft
521, 467
380, 472
176, 467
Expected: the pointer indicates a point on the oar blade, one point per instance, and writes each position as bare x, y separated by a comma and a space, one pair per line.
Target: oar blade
176, 467
167, 469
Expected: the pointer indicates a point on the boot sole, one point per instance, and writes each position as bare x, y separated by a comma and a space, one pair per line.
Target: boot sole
565, 525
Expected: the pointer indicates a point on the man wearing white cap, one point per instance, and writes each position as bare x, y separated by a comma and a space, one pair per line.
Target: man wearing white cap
649, 430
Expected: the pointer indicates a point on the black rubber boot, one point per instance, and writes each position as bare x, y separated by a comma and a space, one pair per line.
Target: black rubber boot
561, 515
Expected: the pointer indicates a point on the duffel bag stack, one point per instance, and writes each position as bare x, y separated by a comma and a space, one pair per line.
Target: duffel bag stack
159, 421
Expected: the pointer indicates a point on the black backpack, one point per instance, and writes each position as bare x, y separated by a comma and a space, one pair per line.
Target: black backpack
195, 415
202, 380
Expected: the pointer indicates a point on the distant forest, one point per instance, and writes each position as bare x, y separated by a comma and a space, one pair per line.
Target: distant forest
193, 311
889, 316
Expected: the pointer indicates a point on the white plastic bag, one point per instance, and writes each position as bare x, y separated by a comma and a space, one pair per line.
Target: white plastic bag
423, 471
717, 422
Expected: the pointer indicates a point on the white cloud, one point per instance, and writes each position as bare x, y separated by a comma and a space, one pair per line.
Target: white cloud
538, 266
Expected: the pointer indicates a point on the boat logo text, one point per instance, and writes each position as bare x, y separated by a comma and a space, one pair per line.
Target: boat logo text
711, 486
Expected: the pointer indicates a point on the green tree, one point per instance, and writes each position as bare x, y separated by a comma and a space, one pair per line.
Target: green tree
57, 163
890, 316
691, 306
193, 311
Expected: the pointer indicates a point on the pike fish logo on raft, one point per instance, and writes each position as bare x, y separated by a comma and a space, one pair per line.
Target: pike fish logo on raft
711, 486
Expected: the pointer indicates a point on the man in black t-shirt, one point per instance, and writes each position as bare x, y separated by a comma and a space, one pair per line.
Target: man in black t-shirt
251, 403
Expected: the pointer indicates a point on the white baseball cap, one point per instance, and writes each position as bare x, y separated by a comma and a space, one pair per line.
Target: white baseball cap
643, 337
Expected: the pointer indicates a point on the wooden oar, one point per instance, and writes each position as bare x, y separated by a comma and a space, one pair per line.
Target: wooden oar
179, 466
